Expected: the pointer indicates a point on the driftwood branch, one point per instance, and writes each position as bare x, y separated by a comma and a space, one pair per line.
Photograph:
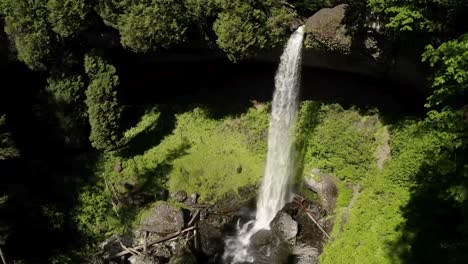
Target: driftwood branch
130, 250
164, 239
2, 257
312, 218
288, 4
194, 217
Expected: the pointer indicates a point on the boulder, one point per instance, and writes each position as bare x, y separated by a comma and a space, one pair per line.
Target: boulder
284, 226
309, 234
184, 256
162, 251
142, 260
164, 219
325, 29
325, 187
304, 254
192, 199
212, 230
267, 247
179, 196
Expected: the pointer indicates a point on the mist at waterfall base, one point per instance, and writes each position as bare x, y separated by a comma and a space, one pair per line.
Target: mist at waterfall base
275, 190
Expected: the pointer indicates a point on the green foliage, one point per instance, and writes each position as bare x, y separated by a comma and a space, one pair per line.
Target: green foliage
8, 149
245, 27
371, 226
68, 17
91, 214
67, 92
26, 24
253, 125
54, 216
450, 61
421, 16
343, 143
148, 120
104, 112
146, 25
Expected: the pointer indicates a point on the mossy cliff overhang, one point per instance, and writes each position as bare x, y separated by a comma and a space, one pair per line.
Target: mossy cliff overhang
335, 42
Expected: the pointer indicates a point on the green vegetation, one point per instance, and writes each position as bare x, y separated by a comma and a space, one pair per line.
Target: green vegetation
343, 143
104, 112
243, 27
90, 149
8, 149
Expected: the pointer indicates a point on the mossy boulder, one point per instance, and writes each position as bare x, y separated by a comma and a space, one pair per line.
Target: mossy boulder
326, 30
164, 219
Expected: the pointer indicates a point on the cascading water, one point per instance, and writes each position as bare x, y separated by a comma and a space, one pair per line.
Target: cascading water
274, 192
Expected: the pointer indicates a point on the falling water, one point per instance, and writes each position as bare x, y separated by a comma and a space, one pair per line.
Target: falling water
274, 192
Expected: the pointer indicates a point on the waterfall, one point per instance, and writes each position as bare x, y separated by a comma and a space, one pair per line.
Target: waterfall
275, 191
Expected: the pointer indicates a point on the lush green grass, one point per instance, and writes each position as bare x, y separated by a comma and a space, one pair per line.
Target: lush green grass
343, 143
215, 156
374, 224
202, 154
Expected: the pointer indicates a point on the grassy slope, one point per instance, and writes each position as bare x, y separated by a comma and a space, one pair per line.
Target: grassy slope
202, 154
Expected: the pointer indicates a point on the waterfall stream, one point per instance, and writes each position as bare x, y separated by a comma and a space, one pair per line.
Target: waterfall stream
275, 190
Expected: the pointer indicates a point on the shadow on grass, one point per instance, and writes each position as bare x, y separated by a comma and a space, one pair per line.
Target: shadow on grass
436, 226
149, 187
151, 137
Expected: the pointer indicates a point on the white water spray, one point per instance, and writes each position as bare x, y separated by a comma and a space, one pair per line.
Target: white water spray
275, 192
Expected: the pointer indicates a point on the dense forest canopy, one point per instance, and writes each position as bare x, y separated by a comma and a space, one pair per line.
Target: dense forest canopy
66, 119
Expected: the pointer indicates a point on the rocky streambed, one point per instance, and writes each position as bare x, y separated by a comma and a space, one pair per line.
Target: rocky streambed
181, 230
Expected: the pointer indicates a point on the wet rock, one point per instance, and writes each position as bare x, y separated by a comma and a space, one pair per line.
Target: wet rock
325, 187
262, 238
304, 254
284, 226
184, 256
179, 196
164, 219
212, 230
266, 247
142, 260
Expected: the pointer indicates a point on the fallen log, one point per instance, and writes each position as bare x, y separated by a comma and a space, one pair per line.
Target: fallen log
164, 239
311, 217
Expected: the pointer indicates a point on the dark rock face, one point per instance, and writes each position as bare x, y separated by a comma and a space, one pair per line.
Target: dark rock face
309, 234
284, 226
325, 187
212, 232
164, 219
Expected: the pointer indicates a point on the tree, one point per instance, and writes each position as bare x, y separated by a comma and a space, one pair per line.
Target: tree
26, 24
8, 149
67, 93
104, 112
245, 27
68, 17
146, 25
450, 61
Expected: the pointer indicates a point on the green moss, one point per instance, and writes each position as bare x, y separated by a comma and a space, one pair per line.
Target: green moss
342, 143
